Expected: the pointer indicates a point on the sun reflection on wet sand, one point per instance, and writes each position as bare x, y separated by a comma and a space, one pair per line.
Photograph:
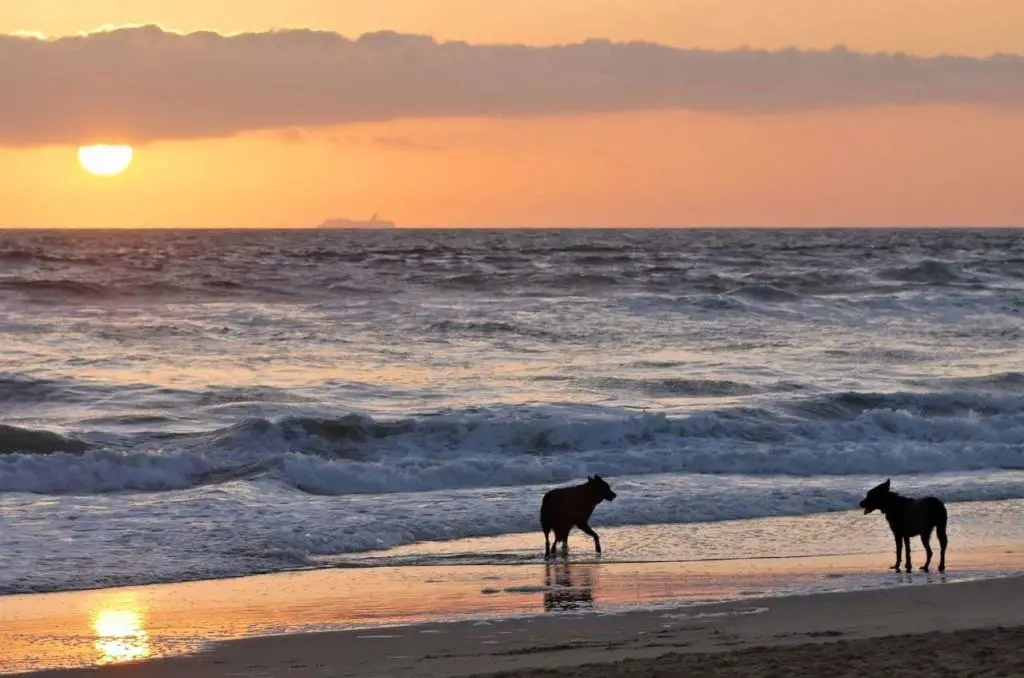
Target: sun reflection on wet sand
87, 628
120, 633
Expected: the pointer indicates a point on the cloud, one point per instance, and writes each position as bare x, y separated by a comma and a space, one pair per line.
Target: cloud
143, 84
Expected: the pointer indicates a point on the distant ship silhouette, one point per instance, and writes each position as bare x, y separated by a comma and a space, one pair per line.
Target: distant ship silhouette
372, 222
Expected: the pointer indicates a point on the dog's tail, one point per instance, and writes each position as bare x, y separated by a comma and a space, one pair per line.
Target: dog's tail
939, 519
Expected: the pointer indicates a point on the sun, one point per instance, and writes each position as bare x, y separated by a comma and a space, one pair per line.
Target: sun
104, 160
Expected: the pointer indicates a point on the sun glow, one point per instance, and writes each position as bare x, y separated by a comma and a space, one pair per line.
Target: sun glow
105, 160
120, 635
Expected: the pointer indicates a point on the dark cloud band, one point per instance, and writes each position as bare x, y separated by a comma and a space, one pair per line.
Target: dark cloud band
143, 83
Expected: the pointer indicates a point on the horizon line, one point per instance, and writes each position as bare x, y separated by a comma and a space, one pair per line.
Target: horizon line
779, 227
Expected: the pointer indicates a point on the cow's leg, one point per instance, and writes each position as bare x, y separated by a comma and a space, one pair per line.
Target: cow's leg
588, 530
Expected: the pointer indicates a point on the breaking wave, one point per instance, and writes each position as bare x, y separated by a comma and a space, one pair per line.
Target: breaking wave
15, 440
831, 435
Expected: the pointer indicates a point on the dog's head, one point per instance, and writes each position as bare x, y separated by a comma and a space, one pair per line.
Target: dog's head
876, 498
604, 490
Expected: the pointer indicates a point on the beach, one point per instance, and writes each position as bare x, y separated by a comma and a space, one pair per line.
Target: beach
968, 628
440, 609
727, 298
323, 452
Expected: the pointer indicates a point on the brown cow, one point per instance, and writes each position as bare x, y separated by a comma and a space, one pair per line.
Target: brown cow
568, 507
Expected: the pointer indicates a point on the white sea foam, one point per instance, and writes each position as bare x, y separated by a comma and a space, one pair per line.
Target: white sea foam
840, 434
243, 527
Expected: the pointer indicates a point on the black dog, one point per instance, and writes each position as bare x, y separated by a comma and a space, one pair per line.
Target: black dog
566, 507
909, 518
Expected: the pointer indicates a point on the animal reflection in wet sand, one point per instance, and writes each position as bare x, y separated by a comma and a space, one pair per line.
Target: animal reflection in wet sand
569, 588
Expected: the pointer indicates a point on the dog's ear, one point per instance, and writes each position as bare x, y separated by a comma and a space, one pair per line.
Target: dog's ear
590, 478
597, 477
887, 483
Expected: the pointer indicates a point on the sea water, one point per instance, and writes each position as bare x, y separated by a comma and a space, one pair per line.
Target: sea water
180, 405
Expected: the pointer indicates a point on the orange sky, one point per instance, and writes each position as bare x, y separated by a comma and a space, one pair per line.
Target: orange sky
876, 164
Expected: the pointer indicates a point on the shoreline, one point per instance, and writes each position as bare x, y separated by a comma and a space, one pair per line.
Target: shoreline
343, 566
987, 526
194, 621
564, 643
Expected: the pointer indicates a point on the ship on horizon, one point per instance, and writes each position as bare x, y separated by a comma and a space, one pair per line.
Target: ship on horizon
372, 222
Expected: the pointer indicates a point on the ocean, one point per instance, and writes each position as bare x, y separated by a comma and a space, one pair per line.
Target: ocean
182, 405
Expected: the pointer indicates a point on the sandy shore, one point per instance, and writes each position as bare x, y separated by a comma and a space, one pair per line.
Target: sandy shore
491, 604
107, 626
757, 637
990, 652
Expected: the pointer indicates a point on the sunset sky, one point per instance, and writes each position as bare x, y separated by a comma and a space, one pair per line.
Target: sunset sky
514, 113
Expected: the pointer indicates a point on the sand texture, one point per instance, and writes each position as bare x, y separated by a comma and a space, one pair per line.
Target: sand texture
988, 652
930, 629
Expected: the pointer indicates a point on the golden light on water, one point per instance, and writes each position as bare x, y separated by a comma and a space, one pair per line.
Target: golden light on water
105, 160
120, 635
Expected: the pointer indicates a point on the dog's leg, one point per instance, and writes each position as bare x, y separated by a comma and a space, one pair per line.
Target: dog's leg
941, 532
906, 547
899, 553
561, 535
587, 530
926, 539
547, 545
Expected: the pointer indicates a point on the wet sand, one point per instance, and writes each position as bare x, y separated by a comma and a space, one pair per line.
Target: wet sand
459, 620
879, 630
